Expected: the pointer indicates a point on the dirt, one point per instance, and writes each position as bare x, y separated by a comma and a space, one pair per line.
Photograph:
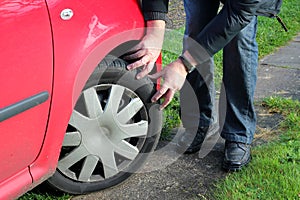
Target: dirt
176, 15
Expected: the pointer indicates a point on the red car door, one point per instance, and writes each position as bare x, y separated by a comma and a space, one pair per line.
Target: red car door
26, 69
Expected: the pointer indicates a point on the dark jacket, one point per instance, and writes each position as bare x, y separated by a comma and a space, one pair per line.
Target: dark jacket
155, 9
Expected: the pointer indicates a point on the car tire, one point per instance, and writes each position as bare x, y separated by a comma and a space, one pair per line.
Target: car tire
109, 135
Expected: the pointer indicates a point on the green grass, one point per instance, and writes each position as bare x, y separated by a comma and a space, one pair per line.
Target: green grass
270, 33
270, 36
43, 196
274, 172
171, 118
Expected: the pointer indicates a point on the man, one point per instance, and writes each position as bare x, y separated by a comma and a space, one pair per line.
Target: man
207, 31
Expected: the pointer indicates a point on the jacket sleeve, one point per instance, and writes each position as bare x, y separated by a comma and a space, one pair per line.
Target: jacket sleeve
155, 9
233, 17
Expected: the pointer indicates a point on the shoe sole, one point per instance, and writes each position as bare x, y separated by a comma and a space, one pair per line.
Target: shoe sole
191, 151
233, 168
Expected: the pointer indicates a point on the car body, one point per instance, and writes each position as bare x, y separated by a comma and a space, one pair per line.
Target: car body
50, 49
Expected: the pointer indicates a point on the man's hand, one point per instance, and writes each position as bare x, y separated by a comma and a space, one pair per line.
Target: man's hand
148, 49
174, 76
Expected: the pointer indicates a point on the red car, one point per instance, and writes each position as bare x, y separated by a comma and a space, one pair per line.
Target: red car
70, 112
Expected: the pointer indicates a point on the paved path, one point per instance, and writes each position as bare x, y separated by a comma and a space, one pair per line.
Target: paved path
279, 73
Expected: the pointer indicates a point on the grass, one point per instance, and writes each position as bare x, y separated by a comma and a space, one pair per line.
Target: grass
43, 196
274, 172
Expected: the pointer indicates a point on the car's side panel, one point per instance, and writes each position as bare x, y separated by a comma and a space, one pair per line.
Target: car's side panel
80, 44
15, 185
26, 71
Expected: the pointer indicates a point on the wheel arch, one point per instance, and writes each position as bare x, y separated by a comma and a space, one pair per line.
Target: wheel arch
113, 71
65, 95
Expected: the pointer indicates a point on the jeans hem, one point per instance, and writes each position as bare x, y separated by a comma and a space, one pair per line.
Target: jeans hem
235, 137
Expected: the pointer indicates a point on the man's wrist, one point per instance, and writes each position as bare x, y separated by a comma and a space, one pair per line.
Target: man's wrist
188, 66
156, 24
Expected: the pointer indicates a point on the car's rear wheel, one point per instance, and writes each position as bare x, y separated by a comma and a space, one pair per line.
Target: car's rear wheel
113, 128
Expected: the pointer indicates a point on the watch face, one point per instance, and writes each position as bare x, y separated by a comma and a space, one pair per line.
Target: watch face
192, 69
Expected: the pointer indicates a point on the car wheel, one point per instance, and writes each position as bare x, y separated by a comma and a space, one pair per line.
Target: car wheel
113, 128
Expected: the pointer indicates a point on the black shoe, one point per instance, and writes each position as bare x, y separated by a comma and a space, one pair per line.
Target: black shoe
190, 142
237, 155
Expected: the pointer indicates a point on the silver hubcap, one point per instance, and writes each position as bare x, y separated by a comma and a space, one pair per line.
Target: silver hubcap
106, 132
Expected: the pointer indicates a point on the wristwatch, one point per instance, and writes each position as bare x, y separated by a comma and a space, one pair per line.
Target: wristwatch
188, 66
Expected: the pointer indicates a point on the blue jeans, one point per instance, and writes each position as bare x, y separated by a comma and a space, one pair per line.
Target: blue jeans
240, 60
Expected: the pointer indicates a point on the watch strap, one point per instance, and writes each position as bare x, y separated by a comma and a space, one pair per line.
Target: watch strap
188, 66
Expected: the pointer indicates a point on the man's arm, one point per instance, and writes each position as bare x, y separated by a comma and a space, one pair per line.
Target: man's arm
149, 48
233, 17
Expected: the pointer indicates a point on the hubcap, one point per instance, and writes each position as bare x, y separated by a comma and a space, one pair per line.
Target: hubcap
106, 132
